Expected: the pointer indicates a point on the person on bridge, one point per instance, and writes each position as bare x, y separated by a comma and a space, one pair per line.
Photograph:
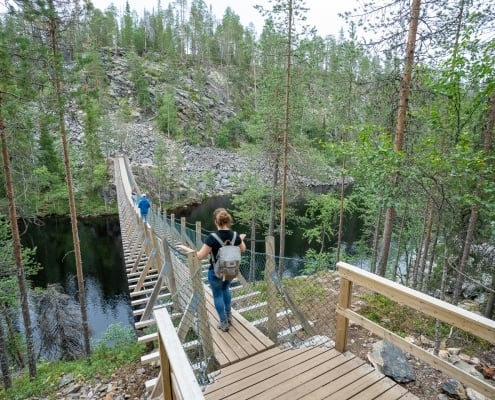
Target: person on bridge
220, 288
134, 196
144, 206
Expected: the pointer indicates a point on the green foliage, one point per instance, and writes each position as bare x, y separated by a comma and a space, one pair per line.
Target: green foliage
48, 157
323, 212
209, 179
305, 290
387, 313
167, 115
117, 337
9, 289
140, 82
193, 136
125, 109
317, 261
115, 349
251, 201
404, 321
230, 134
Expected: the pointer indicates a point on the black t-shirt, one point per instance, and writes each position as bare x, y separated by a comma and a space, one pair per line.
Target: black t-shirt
224, 235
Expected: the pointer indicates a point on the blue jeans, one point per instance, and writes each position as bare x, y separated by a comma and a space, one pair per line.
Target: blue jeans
221, 295
144, 216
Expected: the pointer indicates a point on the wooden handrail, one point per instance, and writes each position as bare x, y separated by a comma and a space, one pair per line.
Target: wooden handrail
446, 312
177, 380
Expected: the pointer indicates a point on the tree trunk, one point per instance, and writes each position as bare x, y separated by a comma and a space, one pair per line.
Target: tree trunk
443, 285
490, 300
283, 204
387, 239
399, 245
68, 180
252, 264
341, 211
271, 222
374, 249
16, 240
400, 128
431, 260
4, 361
473, 217
419, 253
426, 251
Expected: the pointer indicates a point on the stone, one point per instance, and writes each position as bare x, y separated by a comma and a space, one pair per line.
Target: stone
454, 389
391, 361
468, 368
474, 395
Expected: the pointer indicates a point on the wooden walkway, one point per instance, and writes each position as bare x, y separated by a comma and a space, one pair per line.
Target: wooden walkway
250, 366
242, 340
310, 372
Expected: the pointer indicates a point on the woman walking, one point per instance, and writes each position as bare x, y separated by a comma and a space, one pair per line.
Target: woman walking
220, 288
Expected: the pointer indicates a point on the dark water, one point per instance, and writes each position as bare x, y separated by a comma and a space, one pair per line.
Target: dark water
107, 294
295, 244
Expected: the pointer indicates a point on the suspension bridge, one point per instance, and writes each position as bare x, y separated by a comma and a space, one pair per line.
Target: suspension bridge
274, 349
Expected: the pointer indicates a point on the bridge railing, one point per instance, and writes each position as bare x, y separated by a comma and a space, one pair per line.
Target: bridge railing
284, 308
465, 320
177, 379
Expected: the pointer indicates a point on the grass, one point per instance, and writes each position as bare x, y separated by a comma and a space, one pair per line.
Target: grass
404, 321
117, 347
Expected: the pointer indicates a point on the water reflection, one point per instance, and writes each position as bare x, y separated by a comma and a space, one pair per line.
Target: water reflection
107, 294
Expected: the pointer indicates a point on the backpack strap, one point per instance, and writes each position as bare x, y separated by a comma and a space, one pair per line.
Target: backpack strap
217, 239
233, 239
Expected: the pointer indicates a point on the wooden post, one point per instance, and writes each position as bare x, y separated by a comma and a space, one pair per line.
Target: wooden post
164, 382
204, 323
170, 276
183, 239
198, 234
270, 288
342, 322
172, 229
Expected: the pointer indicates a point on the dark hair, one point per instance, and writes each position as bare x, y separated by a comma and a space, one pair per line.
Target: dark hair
222, 217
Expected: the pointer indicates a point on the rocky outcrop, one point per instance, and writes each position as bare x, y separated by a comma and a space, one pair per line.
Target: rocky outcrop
204, 105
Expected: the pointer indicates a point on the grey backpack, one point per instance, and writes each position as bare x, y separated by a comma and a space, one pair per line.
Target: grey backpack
226, 266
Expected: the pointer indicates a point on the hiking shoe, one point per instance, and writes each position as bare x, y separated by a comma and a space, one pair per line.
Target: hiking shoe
229, 318
223, 326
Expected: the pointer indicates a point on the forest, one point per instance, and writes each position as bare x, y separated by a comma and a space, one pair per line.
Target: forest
402, 103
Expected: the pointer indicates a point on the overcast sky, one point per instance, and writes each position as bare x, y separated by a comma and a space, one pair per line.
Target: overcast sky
322, 13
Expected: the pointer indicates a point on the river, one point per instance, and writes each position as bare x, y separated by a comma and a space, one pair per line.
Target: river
107, 293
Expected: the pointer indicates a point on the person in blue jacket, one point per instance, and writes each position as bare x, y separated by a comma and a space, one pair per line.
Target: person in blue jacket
144, 206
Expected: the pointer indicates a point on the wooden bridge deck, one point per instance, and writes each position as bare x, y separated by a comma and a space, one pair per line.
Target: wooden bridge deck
242, 340
251, 367
310, 372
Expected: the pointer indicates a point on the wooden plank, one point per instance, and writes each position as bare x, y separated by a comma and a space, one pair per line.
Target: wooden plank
224, 353
246, 377
468, 321
179, 364
239, 319
241, 341
376, 390
408, 396
148, 338
328, 375
290, 376
479, 385
357, 386
396, 392
333, 386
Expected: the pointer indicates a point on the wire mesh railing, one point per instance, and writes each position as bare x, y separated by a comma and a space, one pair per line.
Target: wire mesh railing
287, 309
